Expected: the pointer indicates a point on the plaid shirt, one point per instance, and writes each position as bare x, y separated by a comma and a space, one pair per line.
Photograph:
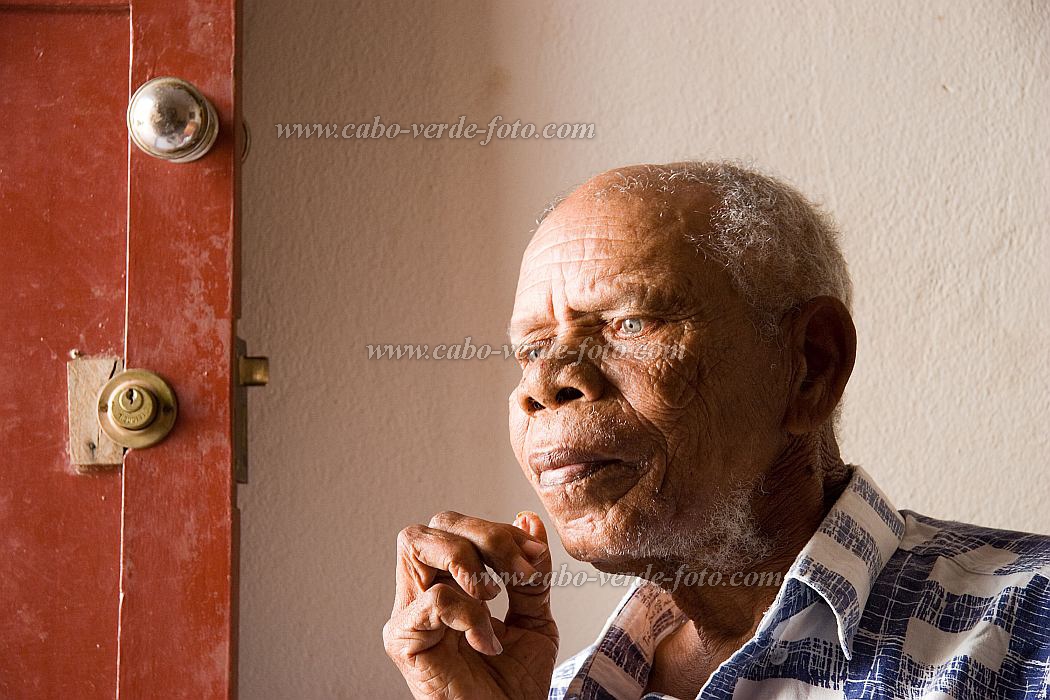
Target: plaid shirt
880, 603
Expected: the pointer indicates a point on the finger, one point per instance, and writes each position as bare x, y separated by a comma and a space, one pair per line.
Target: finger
531, 524
424, 624
426, 554
529, 605
505, 548
446, 553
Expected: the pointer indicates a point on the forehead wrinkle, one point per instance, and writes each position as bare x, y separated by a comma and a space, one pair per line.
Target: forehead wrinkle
558, 299
588, 275
570, 270
582, 241
597, 227
612, 250
582, 283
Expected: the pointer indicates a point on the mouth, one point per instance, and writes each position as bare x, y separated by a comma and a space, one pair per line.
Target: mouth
574, 472
564, 465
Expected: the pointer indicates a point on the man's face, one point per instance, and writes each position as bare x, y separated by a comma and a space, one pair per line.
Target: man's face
652, 450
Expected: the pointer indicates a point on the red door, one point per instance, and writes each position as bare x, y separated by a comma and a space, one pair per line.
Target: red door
115, 580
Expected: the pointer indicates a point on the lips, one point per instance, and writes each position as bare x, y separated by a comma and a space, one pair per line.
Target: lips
562, 465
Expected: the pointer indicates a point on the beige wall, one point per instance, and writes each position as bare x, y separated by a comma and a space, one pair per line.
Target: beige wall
922, 126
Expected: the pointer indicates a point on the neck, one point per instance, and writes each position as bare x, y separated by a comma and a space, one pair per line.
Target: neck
790, 502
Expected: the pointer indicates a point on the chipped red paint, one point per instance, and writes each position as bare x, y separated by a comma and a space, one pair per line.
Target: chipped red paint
66, 197
178, 609
62, 230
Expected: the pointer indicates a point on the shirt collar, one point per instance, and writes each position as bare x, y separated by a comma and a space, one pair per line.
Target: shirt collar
847, 553
840, 563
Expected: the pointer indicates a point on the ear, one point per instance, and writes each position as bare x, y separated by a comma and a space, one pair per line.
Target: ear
821, 342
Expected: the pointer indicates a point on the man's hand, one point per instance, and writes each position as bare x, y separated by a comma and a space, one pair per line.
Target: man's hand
440, 633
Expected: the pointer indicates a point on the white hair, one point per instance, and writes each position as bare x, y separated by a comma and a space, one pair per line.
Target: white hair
779, 249
726, 538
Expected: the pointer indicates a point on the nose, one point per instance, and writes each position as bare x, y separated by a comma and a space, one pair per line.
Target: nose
550, 384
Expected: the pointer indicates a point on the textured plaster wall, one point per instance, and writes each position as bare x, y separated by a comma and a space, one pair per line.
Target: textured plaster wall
921, 126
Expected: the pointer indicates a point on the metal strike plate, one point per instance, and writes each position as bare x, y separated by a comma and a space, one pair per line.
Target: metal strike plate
250, 371
253, 371
137, 408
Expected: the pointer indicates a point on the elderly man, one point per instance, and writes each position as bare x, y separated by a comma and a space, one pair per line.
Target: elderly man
685, 338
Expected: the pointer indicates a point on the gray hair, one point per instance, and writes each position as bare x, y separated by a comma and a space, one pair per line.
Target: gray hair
779, 249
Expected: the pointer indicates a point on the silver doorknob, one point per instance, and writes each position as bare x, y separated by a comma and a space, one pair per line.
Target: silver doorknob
170, 119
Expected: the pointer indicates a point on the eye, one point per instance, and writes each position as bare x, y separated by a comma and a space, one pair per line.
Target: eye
632, 326
529, 353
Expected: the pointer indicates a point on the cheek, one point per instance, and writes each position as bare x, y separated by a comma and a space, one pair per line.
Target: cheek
671, 383
676, 396
662, 397
519, 428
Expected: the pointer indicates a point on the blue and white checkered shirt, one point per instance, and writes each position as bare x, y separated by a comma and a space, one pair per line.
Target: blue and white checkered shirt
880, 603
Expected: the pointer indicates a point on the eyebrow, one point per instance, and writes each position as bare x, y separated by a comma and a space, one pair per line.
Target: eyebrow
525, 327
628, 296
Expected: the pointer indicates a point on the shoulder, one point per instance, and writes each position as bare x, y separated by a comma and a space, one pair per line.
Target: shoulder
965, 607
969, 592
981, 551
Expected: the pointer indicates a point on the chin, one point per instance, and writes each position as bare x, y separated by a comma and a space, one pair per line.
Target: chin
601, 547
580, 543
582, 551
611, 559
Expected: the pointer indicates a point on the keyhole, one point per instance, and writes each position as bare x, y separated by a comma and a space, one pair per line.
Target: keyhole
132, 399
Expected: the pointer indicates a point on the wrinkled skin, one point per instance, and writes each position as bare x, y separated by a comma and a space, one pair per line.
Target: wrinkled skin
441, 635
690, 425
635, 454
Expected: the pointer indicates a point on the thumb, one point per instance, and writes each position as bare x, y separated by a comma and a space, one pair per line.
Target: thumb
529, 605
531, 523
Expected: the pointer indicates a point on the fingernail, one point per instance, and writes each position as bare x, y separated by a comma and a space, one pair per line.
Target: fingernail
519, 521
534, 550
496, 646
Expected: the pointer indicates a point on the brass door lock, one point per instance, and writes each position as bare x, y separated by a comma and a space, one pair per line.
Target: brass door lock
136, 408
